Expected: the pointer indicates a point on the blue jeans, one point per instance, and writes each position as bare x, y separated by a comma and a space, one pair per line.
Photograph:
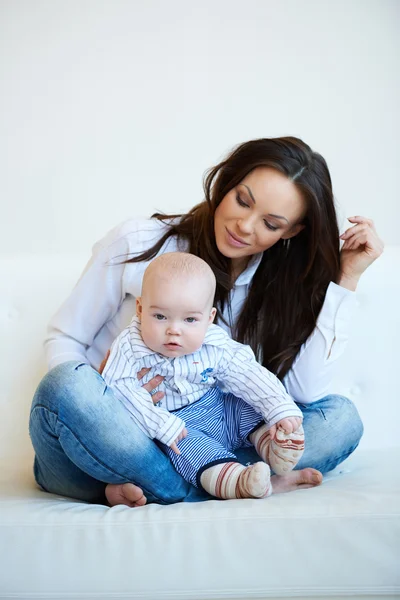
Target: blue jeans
83, 439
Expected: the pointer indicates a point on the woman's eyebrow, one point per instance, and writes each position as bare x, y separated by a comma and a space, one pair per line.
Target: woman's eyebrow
269, 214
279, 217
250, 192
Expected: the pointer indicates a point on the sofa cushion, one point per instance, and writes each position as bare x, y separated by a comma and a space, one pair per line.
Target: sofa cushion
340, 539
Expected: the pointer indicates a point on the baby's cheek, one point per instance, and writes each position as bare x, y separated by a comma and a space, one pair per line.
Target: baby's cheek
196, 341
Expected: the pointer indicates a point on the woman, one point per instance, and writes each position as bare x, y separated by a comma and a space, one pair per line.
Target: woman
268, 229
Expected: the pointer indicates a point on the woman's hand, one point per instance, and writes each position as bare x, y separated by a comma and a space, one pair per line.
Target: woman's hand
149, 386
103, 362
361, 247
152, 385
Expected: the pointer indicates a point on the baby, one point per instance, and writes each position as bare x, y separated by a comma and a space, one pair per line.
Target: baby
217, 396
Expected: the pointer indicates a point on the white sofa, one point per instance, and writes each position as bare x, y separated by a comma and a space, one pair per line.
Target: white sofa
339, 540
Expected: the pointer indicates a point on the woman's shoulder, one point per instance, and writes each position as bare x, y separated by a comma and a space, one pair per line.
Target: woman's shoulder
132, 236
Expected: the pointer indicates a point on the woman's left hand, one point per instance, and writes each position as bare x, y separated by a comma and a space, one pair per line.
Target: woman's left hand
361, 247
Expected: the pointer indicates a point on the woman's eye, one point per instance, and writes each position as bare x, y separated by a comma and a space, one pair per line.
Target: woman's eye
240, 201
190, 320
159, 317
269, 226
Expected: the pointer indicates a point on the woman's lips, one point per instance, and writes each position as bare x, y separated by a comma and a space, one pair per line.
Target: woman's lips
233, 240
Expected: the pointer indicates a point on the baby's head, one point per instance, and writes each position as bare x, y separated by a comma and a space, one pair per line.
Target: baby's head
176, 305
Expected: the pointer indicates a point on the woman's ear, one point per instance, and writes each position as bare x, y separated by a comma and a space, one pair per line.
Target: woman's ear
138, 307
293, 231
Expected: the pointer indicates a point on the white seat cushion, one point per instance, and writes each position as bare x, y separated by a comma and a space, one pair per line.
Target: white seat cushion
341, 539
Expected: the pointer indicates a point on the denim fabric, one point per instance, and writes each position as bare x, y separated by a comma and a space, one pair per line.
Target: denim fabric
84, 438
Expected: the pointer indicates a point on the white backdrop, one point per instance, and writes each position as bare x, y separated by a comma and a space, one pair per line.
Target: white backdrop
115, 108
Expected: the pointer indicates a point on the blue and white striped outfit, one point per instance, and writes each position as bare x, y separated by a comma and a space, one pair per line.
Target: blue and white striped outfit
217, 424
221, 372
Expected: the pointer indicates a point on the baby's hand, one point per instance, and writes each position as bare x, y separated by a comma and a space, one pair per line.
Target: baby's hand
180, 437
288, 425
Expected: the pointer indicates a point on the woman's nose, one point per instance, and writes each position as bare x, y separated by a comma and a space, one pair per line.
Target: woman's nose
246, 225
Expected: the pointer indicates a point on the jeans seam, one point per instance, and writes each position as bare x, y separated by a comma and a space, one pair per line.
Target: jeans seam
89, 453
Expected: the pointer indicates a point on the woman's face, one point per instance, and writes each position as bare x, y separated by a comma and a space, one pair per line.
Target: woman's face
262, 209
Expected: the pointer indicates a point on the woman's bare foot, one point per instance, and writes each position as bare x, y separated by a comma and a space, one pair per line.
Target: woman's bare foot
131, 495
295, 480
125, 493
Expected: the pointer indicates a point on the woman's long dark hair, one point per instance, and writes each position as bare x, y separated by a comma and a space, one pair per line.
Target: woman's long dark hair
289, 286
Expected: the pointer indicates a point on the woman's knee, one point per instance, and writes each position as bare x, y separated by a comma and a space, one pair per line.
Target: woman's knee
333, 429
69, 382
343, 412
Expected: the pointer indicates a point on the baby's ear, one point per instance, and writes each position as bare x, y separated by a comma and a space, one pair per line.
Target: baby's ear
138, 307
212, 315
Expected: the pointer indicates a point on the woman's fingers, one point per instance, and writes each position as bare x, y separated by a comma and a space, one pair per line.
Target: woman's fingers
157, 397
365, 237
151, 385
359, 219
142, 373
363, 233
355, 229
103, 362
355, 241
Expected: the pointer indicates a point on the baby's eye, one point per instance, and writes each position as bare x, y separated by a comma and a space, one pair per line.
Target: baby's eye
159, 316
190, 320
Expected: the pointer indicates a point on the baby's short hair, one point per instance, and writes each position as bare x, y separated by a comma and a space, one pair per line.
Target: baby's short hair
178, 264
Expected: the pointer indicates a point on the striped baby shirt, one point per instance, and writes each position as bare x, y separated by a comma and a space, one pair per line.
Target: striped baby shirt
220, 362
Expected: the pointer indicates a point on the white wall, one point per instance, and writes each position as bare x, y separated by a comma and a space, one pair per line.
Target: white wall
115, 108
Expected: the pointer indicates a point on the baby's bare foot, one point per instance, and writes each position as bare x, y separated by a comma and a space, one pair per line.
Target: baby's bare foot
125, 493
296, 480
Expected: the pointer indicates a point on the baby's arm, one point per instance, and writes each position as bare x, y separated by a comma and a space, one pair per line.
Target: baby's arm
120, 374
243, 376
154, 421
180, 437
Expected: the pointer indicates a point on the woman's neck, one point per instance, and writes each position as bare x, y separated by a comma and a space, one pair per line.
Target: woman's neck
238, 266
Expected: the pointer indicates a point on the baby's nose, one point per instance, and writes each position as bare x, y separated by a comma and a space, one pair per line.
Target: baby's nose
173, 329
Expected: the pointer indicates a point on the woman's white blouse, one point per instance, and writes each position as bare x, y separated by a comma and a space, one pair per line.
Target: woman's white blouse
102, 304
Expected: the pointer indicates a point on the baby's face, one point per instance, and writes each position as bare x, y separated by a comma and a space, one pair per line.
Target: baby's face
175, 315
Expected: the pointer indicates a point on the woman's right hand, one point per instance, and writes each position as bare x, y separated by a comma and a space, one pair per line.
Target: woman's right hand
149, 386
103, 362
152, 385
